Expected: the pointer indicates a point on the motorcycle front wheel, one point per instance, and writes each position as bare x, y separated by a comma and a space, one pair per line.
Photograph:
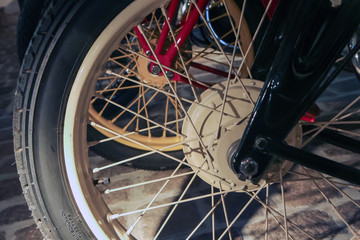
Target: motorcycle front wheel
86, 69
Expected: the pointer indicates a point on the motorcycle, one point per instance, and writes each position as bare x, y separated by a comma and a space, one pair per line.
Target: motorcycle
188, 119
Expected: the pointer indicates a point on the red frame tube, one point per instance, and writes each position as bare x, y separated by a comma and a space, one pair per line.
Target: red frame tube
272, 7
166, 58
187, 28
165, 31
188, 24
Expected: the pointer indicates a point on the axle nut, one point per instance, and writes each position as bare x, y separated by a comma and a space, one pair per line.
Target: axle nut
249, 167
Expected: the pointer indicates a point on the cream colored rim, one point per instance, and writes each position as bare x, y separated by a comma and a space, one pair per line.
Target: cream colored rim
80, 182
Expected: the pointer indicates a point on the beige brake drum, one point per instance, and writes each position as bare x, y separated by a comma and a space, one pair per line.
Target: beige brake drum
210, 150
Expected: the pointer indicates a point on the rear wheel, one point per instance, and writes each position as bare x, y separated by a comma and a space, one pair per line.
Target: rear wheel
135, 65
90, 72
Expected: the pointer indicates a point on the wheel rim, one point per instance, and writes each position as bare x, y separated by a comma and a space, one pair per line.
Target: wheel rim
132, 213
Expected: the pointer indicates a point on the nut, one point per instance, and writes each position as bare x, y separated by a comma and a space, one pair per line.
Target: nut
249, 167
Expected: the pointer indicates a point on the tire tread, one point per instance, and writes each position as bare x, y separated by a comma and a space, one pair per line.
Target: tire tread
21, 119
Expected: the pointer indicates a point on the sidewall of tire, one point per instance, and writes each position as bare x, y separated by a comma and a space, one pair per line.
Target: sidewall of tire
55, 67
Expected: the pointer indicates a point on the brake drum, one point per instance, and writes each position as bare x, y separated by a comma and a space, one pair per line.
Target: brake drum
212, 132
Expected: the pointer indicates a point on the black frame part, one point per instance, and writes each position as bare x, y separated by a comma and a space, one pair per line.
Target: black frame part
307, 47
336, 139
315, 162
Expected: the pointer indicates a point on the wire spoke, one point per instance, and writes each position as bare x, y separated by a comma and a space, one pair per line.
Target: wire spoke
177, 204
210, 212
241, 211
152, 201
173, 176
207, 154
272, 212
135, 132
229, 62
353, 231
147, 115
114, 216
180, 55
283, 203
338, 116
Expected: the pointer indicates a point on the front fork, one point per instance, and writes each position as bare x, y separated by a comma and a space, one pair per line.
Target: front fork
302, 42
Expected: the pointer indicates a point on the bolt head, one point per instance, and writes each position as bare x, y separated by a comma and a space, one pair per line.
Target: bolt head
261, 143
249, 167
156, 69
169, 74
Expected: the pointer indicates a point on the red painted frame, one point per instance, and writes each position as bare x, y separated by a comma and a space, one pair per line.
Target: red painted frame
187, 23
166, 57
272, 7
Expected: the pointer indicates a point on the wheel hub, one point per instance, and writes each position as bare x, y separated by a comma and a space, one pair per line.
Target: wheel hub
146, 75
218, 144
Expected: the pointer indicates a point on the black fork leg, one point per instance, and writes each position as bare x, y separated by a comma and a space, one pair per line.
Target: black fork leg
309, 39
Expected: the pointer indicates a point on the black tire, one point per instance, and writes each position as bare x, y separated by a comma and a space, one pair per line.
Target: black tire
57, 41
31, 12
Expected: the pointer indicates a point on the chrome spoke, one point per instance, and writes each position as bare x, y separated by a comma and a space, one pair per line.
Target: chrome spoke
177, 204
229, 75
334, 208
283, 204
150, 152
229, 62
273, 211
256, 32
140, 116
241, 211
179, 161
338, 116
225, 211
207, 155
114, 216
128, 232
180, 55
211, 212
164, 92
133, 133
173, 176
